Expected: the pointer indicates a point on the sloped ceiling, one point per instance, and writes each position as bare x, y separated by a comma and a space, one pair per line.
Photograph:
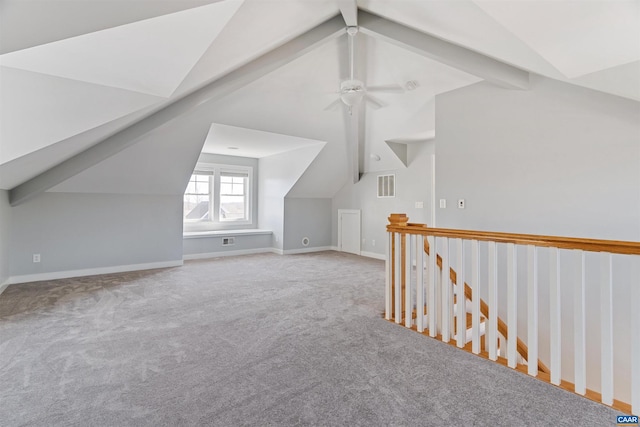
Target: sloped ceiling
93, 68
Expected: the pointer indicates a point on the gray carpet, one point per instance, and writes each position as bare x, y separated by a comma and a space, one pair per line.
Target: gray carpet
261, 340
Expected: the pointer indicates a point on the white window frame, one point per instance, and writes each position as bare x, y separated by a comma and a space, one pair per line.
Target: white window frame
215, 222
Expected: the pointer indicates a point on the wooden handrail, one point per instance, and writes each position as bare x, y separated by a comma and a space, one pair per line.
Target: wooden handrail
521, 347
592, 245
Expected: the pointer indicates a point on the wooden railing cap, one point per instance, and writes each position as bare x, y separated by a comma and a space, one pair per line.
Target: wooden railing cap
591, 245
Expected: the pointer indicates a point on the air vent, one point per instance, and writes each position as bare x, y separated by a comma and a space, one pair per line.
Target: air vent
386, 186
228, 241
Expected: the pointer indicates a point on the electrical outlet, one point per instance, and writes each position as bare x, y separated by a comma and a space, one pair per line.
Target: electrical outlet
443, 203
36, 257
419, 205
373, 243
461, 203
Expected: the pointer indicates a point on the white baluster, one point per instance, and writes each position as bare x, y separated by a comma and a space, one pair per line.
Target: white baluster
512, 304
398, 280
606, 325
579, 338
532, 310
492, 331
461, 302
635, 342
555, 320
445, 292
388, 278
408, 266
420, 264
431, 287
475, 302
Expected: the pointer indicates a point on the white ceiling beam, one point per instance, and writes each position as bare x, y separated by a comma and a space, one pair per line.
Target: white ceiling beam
349, 11
233, 80
355, 140
442, 51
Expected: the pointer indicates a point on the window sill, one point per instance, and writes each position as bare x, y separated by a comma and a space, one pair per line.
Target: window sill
224, 233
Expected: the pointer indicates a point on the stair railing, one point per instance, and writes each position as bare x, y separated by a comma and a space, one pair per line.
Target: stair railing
434, 303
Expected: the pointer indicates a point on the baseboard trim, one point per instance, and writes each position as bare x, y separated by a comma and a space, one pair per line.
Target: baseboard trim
256, 251
238, 252
26, 278
307, 250
362, 253
373, 255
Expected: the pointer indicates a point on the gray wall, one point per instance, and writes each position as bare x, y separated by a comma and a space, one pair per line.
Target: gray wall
305, 217
278, 174
413, 184
5, 231
75, 231
557, 159
213, 244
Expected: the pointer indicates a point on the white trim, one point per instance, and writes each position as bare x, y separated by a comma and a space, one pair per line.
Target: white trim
335, 248
382, 257
219, 254
433, 191
54, 275
307, 250
224, 233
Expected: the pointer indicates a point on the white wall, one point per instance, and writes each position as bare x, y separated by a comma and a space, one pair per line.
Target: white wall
5, 231
556, 160
74, 231
413, 184
309, 218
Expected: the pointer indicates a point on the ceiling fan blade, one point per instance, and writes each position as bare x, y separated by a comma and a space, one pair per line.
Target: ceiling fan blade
334, 105
374, 102
386, 88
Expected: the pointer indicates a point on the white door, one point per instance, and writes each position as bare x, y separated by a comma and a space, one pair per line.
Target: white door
349, 231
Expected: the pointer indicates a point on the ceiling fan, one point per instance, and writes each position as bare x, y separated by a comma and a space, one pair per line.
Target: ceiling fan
353, 91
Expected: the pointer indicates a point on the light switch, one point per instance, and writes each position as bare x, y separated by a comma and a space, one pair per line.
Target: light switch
461, 203
443, 203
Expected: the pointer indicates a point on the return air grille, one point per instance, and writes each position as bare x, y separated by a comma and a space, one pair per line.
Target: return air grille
386, 186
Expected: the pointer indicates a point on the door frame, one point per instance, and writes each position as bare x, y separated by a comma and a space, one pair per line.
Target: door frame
350, 212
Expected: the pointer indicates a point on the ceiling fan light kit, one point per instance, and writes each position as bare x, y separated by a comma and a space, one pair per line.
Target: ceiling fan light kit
351, 92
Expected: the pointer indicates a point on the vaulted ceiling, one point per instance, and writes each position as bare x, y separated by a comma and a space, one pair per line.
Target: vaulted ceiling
82, 83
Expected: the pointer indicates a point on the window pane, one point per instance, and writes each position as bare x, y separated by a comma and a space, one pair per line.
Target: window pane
226, 188
202, 187
232, 208
196, 206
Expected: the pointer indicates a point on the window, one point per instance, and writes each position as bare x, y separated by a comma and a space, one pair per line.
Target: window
217, 196
233, 196
197, 197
